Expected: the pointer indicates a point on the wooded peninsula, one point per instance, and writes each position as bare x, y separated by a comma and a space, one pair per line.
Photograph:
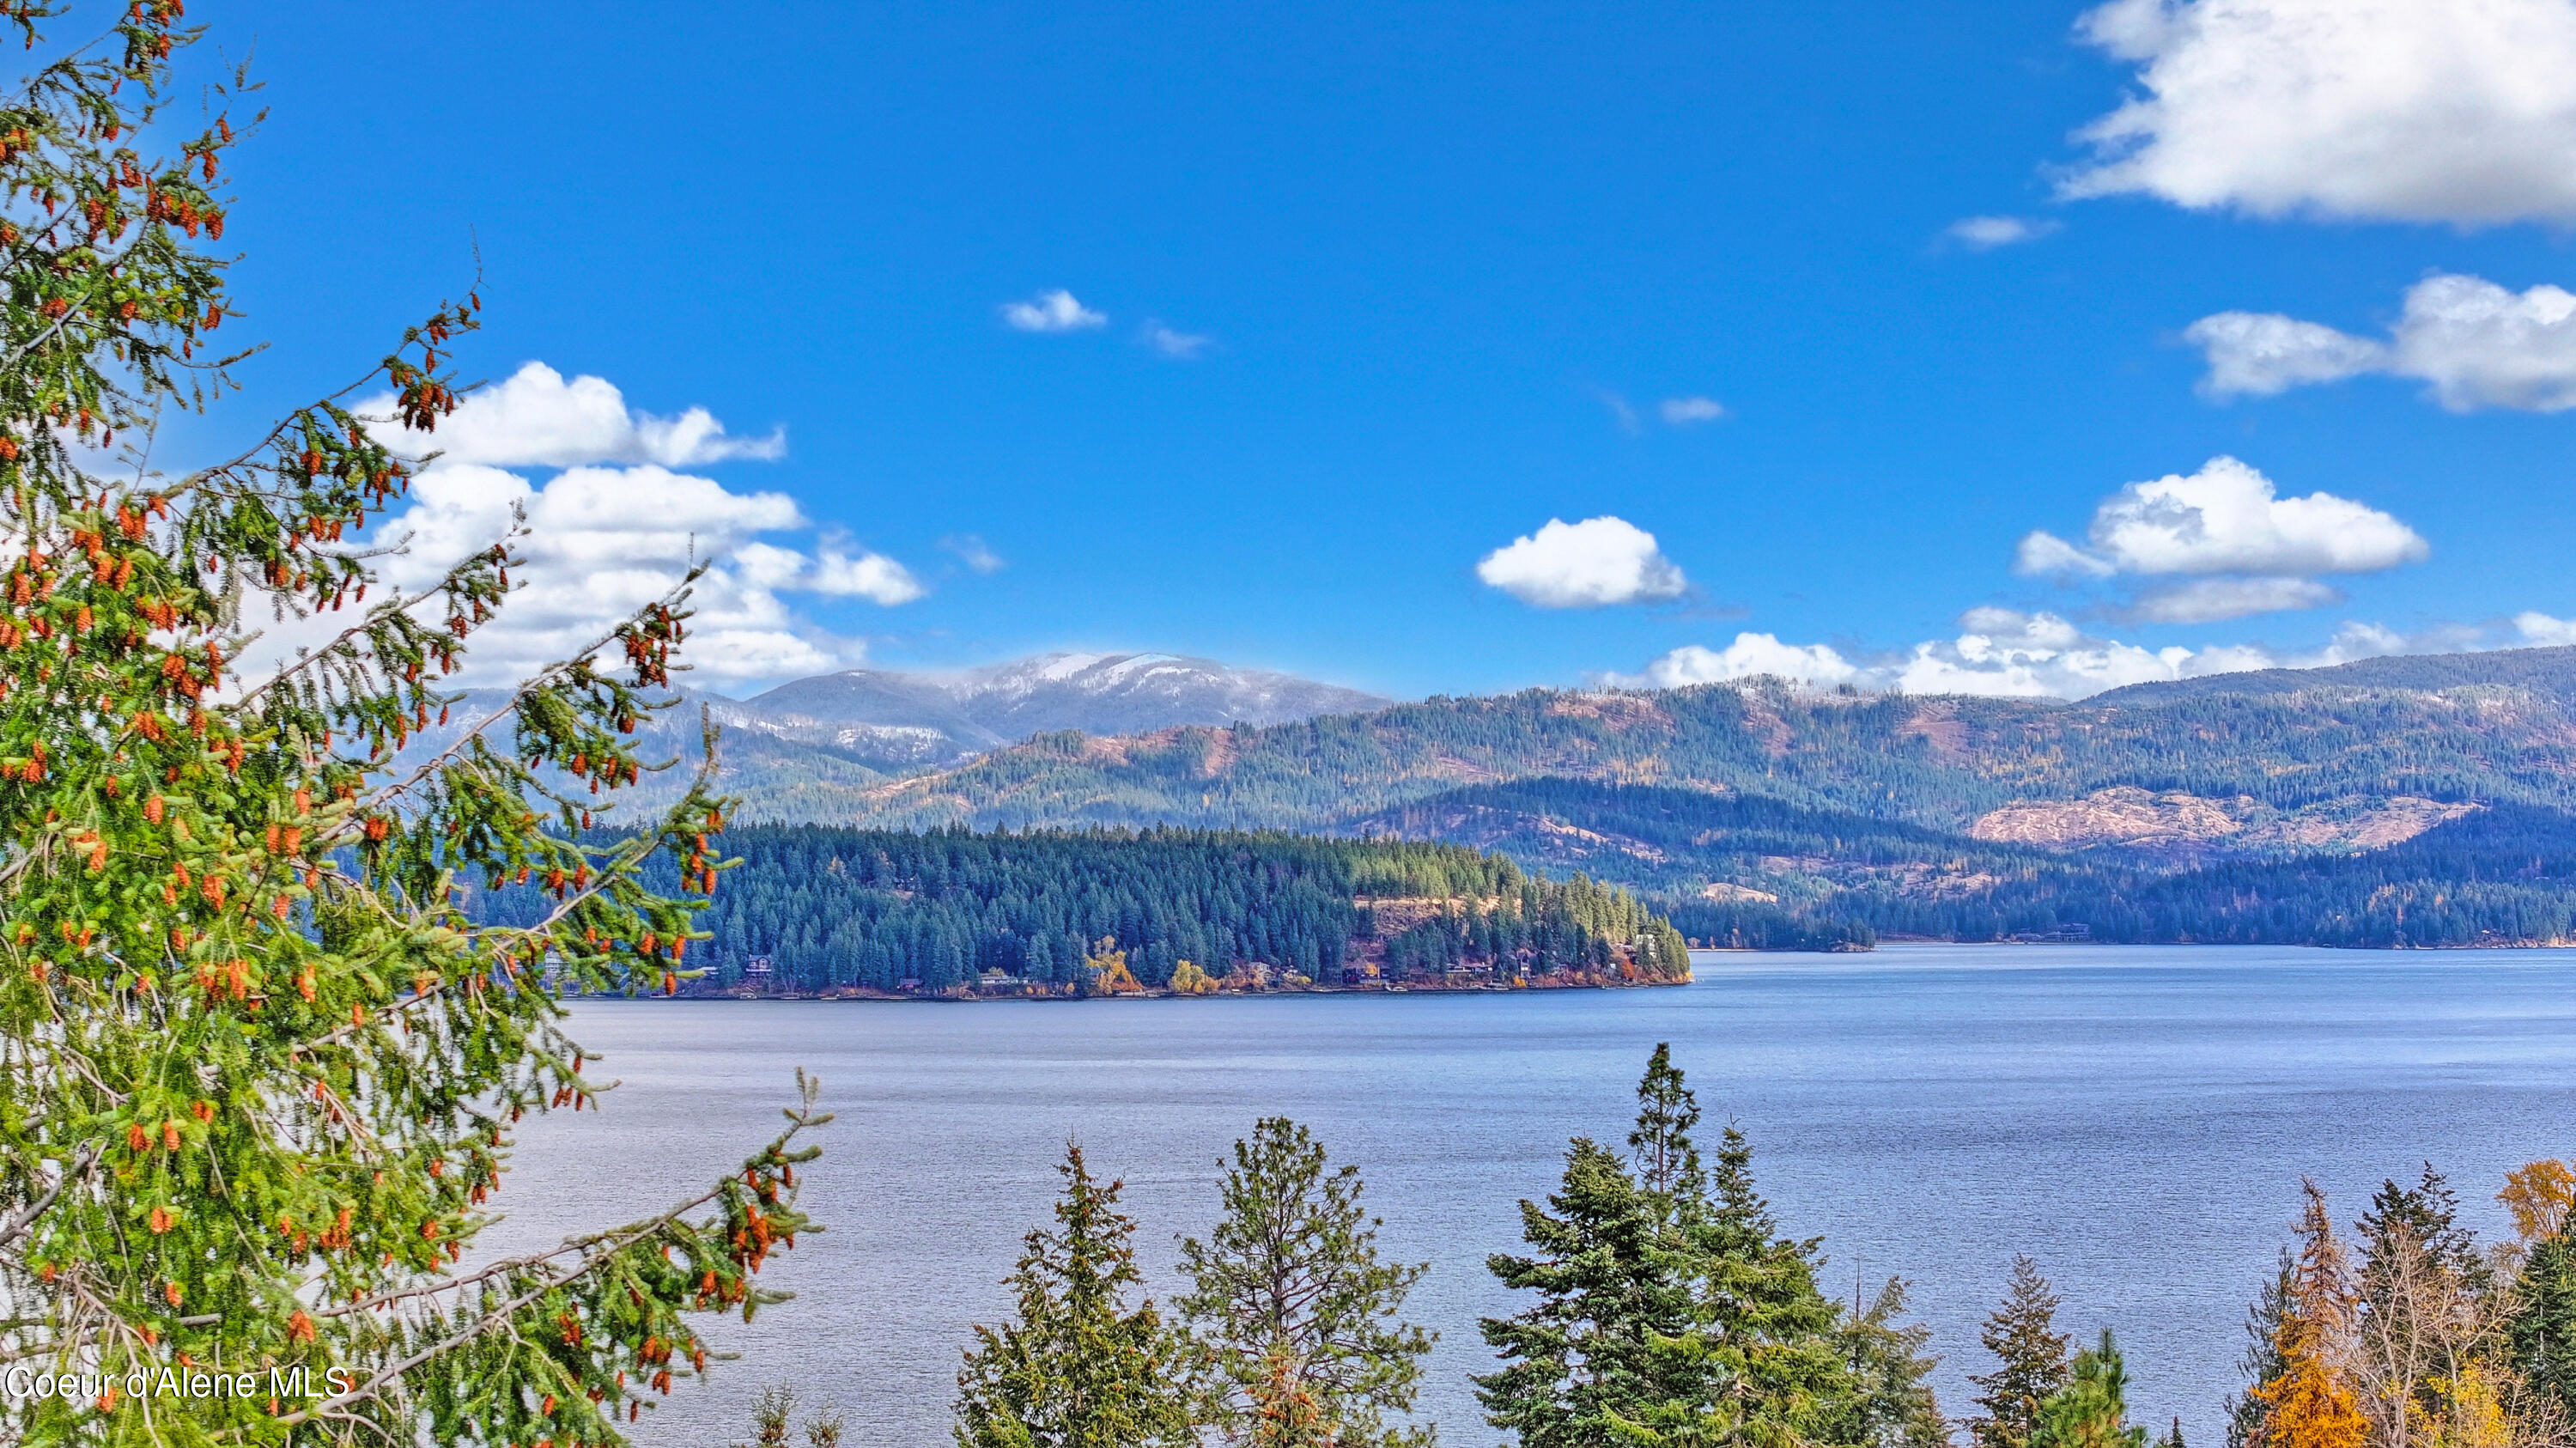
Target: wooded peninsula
814, 910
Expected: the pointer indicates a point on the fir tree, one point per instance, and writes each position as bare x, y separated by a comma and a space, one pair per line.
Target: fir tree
1761, 1329
1580, 1360
1078, 1368
2427, 1212
1667, 1164
2261, 1363
2092, 1410
1295, 1310
2030, 1361
1891, 1404
2540, 1331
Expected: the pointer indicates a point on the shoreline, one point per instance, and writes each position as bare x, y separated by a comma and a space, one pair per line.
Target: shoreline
968, 997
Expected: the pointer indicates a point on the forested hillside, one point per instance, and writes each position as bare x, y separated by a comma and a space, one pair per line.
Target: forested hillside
1105, 911
1939, 762
1759, 873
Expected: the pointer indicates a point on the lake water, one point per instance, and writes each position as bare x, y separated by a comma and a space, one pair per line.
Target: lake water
2136, 1118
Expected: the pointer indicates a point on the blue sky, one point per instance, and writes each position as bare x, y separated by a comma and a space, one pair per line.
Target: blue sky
1449, 264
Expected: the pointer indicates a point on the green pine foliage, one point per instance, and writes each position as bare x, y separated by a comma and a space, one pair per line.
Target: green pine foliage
1295, 1311
2092, 1410
1076, 1367
1891, 1403
2541, 1329
1672, 1312
1580, 1364
2030, 1361
2261, 1363
259, 1069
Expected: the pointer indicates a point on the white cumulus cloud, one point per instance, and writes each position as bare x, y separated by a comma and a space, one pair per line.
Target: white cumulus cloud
839, 570
1591, 564
1985, 233
2453, 111
1752, 655
2265, 353
604, 542
2226, 518
536, 418
2542, 630
1052, 311
1689, 411
2008, 653
2476, 343
616, 526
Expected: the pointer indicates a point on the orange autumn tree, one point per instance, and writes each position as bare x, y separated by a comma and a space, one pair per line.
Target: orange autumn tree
2309, 1402
258, 1067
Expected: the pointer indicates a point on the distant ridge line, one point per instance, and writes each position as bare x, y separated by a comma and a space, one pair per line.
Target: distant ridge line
2545, 670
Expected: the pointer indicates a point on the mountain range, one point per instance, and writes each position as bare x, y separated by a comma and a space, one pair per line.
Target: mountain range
894, 721
1766, 807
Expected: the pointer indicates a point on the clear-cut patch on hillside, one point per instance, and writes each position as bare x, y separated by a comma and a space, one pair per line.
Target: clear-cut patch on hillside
2186, 824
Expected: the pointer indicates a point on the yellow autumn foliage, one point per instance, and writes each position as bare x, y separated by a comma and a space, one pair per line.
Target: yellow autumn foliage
2539, 1194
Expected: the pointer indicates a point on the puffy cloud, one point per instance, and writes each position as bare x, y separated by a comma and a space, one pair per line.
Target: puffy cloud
1689, 411
1752, 655
2214, 600
1985, 233
2007, 653
602, 543
2541, 630
2478, 344
603, 540
970, 550
2407, 110
871, 576
1054, 311
1590, 564
1181, 346
2265, 353
2226, 518
537, 419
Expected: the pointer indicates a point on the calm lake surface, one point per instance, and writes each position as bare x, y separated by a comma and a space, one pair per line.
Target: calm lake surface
2136, 1118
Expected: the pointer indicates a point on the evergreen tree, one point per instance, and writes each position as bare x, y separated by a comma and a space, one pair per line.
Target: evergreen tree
2092, 1410
2428, 1213
1668, 1165
1078, 1368
1295, 1310
2310, 1403
2030, 1360
1891, 1404
2261, 1363
1761, 1362
1580, 1360
2540, 1330
258, 1065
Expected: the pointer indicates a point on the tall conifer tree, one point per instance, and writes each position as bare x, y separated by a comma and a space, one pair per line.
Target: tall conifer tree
1078, 1368
1294, 1308
2030, 1360
2541, 1329
2311, 1403
1891, 1403
1580, 1360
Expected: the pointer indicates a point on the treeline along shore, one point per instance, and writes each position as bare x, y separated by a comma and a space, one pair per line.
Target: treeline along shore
816, 910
